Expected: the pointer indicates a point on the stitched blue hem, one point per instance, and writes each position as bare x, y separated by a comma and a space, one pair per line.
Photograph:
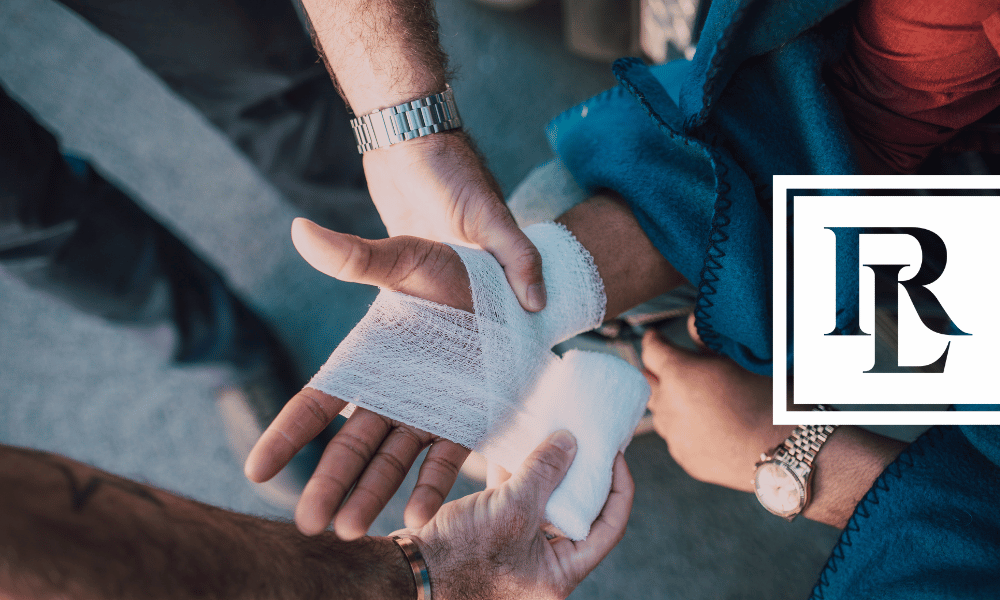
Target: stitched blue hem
892, 473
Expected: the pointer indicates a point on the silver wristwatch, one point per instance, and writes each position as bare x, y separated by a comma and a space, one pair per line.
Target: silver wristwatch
406, 121
782, 480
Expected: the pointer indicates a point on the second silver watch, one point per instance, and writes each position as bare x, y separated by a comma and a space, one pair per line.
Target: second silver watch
782, 481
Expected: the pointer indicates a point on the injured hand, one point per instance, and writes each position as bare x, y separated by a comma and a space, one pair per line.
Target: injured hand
487, 380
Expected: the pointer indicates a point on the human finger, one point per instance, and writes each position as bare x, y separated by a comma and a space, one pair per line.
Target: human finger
495, 475
693, 332
520, 259
414, 266
301, 420
382, 476
542, 471
344, 460
610, 526
436, 477
651, 379
661, 357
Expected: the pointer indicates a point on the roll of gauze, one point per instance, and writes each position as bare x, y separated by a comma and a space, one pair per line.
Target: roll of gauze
490, 381
600, 399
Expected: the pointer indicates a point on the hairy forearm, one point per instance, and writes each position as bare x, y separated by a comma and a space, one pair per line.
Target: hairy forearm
69, 530
380, 52
632, 268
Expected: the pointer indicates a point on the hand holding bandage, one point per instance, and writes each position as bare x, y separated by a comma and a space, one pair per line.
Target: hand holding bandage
489, 381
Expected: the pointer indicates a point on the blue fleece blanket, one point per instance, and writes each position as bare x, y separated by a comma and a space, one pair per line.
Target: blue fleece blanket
692, 148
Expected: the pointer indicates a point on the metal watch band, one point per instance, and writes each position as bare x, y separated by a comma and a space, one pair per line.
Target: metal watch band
388, 126
805, 441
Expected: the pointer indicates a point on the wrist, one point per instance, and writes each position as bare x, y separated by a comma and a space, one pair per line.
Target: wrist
422, 152
414, 557
434, 144
398, 578
372, 96
462, 572
630, 278
851, 460
370, 567
406, 121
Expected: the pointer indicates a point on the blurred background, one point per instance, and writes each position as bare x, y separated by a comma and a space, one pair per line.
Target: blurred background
103, 394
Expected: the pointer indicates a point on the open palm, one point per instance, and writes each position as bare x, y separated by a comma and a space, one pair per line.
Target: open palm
370, 453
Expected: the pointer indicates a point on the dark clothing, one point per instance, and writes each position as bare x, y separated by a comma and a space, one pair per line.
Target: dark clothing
250, 68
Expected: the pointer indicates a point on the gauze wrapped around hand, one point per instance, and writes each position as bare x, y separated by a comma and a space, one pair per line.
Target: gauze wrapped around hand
490, 381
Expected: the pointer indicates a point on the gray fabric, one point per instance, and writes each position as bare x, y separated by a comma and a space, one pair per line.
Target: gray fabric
251, 70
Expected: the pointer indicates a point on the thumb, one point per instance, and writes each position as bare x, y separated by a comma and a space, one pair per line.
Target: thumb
521, 261
543, 471
341, 256
661, 358
414, 266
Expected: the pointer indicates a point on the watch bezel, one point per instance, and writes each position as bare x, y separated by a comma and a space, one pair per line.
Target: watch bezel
799, 475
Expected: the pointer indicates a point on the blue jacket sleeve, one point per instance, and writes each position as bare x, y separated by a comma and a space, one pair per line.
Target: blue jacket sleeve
928, 528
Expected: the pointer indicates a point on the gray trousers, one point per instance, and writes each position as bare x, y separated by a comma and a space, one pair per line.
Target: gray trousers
250, 68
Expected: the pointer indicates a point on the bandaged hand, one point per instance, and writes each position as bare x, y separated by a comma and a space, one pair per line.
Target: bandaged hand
370, 451
487, 381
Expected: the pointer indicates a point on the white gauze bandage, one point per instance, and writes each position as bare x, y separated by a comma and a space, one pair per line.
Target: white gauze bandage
491, 382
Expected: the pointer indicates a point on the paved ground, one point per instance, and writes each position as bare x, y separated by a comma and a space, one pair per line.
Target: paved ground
98, 393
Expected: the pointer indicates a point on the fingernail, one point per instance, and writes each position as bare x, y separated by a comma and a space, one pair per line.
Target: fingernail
536, 296
563, 440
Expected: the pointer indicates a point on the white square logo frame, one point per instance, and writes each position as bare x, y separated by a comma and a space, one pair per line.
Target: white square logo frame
842, 369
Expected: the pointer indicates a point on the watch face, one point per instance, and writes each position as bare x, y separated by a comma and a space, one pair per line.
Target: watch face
779, 490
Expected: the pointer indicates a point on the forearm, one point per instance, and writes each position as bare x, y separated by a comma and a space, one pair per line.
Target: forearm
69, 530
851, 460
849, 463
845, 469
381, 52
632, 268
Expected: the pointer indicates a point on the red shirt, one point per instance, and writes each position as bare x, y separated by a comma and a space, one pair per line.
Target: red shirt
916, 73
